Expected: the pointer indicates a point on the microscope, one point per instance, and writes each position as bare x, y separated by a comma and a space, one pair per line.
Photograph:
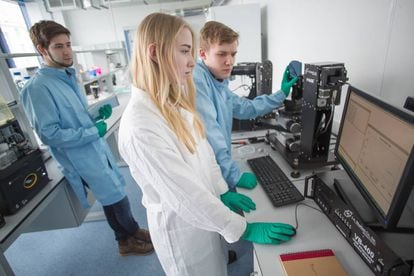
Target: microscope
261, 83
304, 124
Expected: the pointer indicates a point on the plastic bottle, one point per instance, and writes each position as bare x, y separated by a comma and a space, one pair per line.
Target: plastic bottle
18, 78
23, 83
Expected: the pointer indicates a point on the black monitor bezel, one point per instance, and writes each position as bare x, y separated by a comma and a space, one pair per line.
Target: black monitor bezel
389, 220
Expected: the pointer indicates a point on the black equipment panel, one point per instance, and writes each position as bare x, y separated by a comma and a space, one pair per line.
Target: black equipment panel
370, 247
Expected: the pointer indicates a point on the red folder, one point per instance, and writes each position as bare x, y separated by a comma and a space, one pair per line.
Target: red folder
316, 262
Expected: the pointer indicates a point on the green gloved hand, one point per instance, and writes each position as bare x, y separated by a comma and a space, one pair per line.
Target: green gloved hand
248, 180
287, 82
237, 201
268, 233
101, 126
105, 111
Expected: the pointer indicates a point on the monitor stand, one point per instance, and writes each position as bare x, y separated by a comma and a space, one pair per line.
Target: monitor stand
350, 194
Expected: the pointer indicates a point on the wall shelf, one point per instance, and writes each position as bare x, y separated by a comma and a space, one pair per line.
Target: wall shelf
97, 78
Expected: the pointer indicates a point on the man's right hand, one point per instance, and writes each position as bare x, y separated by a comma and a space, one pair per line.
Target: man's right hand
248, 180
105, 112
101, 126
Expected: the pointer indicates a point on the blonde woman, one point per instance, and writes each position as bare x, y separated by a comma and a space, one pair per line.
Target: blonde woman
163, 141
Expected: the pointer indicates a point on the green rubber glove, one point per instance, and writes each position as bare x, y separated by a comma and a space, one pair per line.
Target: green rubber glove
101, 126
105, 112
248, 180
287, 82
237, 201
268, 233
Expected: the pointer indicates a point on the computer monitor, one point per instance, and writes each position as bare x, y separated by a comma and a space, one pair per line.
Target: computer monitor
375, 147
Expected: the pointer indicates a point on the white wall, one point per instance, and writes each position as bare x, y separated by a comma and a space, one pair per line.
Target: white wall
245, 19
398, 81
373, 38
37, 11
90, 27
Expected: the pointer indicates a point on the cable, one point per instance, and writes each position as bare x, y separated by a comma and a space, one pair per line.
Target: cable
333, 99
318, 129
329, 121
245, 86
296, 213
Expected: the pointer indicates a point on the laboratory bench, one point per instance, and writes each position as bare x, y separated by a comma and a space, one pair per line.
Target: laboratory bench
56, 205
315, 230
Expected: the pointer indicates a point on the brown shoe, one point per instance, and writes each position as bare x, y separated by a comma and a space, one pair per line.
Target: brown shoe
142, 235
132, 246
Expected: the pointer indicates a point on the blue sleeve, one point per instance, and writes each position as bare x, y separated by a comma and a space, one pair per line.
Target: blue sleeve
207, 110
244, 108
43, 114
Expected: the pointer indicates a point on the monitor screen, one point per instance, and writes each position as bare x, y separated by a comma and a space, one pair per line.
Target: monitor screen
375, 147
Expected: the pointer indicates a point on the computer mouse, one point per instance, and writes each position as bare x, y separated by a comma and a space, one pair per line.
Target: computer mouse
294, 232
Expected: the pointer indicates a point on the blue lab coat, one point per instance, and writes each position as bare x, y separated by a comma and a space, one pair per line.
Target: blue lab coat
57, 110
217, 105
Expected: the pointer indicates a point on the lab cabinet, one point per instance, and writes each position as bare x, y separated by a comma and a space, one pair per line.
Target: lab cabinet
64, 5
64, 210
61, 5
102, 71
112, 2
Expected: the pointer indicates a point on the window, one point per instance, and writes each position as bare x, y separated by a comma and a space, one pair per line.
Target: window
16, 35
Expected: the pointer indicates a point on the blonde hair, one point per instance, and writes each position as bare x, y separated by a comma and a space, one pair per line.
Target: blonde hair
160, 79
216, 32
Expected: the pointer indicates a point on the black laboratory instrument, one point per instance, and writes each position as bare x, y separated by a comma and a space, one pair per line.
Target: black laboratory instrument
409, 103
22, 171
2, 221
304, 124
261, 84
379, 257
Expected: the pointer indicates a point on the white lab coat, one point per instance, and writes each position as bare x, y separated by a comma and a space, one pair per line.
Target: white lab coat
181, 192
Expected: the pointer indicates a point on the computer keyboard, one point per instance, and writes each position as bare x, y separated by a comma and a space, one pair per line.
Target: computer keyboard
276, 184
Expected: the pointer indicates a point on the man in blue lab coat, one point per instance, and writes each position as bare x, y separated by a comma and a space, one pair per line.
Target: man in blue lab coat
217, 104
57, 109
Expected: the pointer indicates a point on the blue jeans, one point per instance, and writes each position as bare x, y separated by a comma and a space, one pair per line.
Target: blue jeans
120, 219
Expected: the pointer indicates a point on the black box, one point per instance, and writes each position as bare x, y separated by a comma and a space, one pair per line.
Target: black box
21, 181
